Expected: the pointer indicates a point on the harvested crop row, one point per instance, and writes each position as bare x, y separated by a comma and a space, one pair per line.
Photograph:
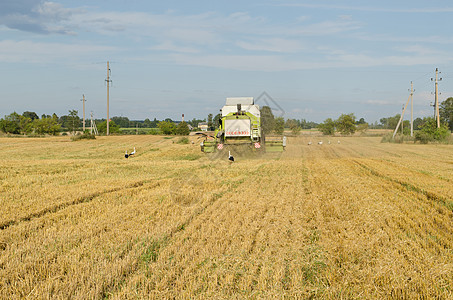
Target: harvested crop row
328, 221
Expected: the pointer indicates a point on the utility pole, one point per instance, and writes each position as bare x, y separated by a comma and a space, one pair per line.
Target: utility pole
412, 109
93, 126
402, 115
83, 100
436, 98
402, 120
108, 82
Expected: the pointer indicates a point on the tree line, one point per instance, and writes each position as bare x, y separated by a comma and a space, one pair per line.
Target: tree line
347, 124
31, 123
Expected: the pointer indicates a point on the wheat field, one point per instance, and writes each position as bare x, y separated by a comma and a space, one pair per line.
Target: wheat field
351, 220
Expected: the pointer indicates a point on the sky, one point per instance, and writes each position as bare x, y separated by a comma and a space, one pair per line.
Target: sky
314, 59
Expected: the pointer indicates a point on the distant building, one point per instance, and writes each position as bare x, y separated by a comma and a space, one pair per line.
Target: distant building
203, 126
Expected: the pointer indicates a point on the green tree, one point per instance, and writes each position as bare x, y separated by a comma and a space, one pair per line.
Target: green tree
113, 127
430, 132
73, 121
54, 125
296, 130
26, 124
446, 112
361, 121
11, 123
154, 123
418, 122
46, 126
390, 122
147, 123
327, 127
267, 119
346, 124
30, 114
194, 122
182, 129
216, 120
15, 123
293, 125
362, 127
279, 127
210, 122
167, 127
303, 124
310, 124
406, 127
122, 122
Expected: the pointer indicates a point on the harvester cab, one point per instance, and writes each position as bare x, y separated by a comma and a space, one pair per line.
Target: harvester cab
240, 125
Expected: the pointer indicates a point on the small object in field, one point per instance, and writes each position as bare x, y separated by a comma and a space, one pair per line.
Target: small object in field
338, 142
130, 154
309, 143
328, 142
230, 157
320, 143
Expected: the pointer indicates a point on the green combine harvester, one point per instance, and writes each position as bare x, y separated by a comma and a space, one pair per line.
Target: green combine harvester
240, 125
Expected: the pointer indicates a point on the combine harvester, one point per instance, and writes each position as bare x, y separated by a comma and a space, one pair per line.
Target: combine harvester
240, 126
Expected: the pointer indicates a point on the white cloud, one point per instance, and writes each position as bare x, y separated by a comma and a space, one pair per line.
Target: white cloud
28, 51
206, 29
283, 62
222, 41
418, 49
193, 30
302, 111
432, 39
325, 28
303, 18
242, 62
272, 45
380, 102
52, 11
370, 8
36, 16
18, 7
171, 47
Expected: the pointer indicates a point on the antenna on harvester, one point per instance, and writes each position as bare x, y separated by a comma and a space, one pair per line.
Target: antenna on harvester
402, 115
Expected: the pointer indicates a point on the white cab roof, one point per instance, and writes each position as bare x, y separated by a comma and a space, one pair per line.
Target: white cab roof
239, 100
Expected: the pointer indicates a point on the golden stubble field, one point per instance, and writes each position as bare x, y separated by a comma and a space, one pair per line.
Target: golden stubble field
354, 220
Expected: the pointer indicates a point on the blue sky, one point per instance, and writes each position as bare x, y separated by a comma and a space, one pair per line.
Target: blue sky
316, 59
